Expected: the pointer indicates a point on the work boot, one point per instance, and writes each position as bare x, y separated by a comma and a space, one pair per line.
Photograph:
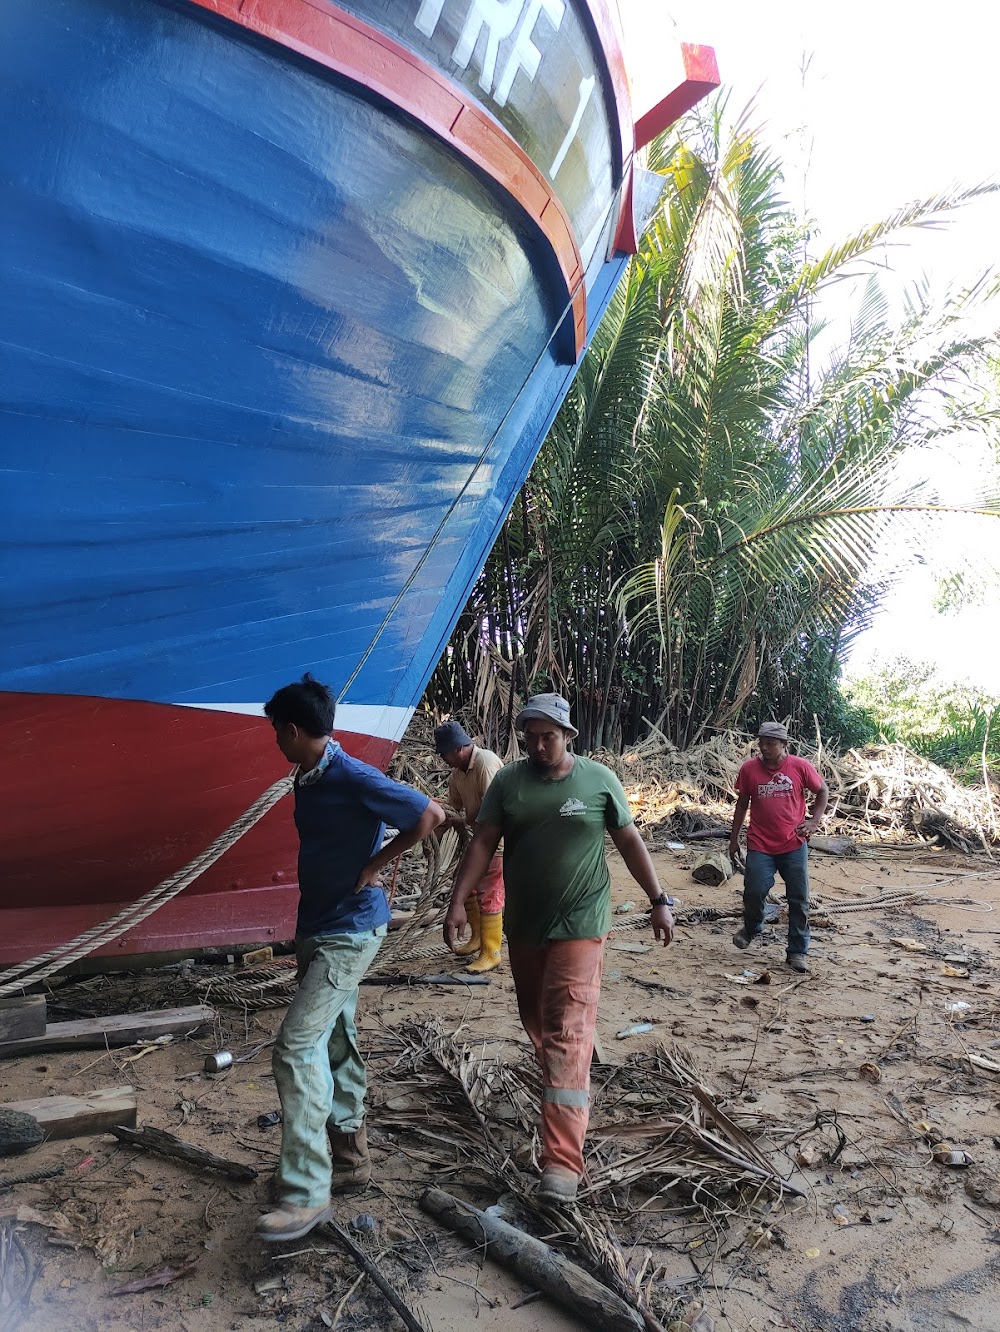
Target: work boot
491, 930
352, 1166
742, 939
798, 962
558, 1184
475, 942
291, 1223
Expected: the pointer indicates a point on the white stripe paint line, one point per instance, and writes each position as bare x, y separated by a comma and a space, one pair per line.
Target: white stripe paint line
385, 723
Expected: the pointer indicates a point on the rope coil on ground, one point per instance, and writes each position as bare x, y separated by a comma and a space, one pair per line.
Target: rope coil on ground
42, 966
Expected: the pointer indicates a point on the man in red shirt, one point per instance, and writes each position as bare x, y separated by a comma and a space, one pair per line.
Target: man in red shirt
773, 788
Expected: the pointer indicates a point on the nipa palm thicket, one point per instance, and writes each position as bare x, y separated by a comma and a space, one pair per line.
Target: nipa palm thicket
694, 544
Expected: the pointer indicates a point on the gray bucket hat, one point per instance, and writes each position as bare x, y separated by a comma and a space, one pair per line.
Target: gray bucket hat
546, 707
772, 731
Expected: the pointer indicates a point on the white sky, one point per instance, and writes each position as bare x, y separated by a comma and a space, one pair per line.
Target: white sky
898, 102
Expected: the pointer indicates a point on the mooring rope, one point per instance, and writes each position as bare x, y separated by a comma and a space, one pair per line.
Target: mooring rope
46, 964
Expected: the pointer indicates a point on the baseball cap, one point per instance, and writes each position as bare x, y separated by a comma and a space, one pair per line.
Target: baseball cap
772, 731
547, 707
450, 735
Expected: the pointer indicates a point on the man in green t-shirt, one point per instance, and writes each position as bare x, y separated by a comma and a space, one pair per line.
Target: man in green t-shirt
552, 810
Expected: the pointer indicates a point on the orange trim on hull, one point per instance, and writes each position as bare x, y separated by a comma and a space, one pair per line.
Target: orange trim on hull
701, 76
369, 58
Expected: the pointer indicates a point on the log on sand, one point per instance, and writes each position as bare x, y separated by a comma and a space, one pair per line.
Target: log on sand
537, 1263
168, 1144
833, 846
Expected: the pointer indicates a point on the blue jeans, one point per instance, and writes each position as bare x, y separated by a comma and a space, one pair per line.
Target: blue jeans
317, 1064
758, 880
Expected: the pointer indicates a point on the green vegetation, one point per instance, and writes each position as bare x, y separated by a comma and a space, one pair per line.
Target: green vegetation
949, 722
694, 545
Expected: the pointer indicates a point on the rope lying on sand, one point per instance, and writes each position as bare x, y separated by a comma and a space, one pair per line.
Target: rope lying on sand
902, 897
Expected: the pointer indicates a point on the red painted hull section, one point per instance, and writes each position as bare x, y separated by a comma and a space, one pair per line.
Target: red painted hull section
167, 780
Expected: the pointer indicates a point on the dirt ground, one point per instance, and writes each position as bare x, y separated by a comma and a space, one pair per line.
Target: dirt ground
886, 1239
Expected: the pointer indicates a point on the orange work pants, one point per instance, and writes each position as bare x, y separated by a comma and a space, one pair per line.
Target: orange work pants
558, 987
489, 889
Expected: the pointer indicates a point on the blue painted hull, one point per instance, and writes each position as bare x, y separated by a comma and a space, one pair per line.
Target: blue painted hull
275, 363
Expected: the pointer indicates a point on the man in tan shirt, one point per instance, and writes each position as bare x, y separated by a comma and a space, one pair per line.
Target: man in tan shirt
472, 770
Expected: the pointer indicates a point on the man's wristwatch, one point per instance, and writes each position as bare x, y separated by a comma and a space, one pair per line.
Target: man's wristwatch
662, 900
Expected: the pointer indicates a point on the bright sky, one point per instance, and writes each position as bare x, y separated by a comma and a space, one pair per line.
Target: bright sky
898, 102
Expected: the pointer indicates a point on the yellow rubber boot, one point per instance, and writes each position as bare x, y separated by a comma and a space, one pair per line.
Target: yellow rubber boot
475, 942
492, 936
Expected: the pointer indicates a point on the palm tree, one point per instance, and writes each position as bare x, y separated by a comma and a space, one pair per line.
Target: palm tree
696, 536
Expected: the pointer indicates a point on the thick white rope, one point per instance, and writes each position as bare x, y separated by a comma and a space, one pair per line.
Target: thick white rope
45, 964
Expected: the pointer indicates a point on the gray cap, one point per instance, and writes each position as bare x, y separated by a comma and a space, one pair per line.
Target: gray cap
451, 735
546, 707
772, 731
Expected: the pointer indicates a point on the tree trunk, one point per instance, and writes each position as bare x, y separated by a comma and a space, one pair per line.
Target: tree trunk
536, 1263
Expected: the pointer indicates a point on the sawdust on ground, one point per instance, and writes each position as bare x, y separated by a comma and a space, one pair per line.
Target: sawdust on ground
912, 1244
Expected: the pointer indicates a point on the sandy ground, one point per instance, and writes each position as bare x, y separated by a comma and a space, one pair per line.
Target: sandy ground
912, 1244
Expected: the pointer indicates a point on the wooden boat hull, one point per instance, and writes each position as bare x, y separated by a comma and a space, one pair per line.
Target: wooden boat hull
291, 301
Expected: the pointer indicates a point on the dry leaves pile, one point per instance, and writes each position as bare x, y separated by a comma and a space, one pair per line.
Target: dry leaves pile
885, 792
667, 1166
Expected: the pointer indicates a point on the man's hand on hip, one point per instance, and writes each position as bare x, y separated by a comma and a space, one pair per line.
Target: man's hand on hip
662, 920
368, 878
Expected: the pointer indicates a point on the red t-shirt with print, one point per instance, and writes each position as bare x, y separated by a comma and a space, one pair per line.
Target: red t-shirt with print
777, 802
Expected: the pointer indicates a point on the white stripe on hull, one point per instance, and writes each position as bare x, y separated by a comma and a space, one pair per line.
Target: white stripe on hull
384, 723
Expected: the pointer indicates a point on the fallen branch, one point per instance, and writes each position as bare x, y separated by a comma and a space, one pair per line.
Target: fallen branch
163, 1276
535, 1262
371, 1270
168, 1144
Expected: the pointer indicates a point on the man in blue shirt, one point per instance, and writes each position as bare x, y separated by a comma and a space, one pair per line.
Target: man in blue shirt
341, 808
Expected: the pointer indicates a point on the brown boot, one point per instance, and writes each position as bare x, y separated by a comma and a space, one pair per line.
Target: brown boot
291, 1223
352, 1166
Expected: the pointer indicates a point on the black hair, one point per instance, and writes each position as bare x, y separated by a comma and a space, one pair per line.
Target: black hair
306, 704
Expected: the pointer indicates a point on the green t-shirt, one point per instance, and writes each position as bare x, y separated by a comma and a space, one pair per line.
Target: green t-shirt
555, 871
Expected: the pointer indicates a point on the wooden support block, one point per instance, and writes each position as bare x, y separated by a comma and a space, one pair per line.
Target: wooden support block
22, 1017
121, 1029
78, 1116
257, 955
713, 868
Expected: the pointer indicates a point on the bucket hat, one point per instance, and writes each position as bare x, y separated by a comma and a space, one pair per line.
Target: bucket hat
772, 731
450, 735
547, 707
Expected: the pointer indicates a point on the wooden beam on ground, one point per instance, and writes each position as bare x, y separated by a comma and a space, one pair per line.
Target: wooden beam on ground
444, 978
168, 1144
598, 1057
545, 1269
78, 1116
120, 1029
22, 1017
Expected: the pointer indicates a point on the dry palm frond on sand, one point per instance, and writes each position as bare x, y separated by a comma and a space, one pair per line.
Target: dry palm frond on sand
661, 1146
